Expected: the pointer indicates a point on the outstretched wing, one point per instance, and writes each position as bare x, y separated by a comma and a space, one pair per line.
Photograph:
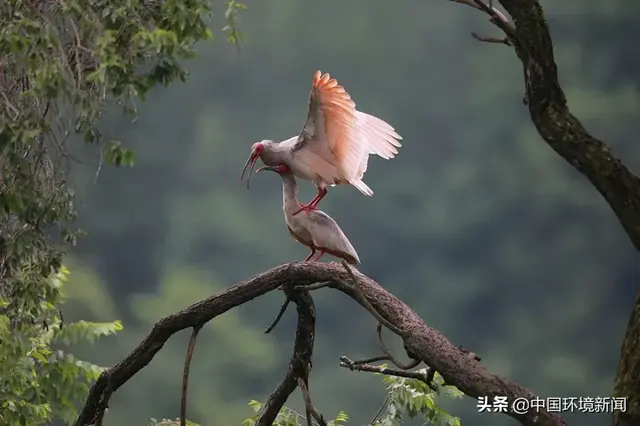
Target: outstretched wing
339, 134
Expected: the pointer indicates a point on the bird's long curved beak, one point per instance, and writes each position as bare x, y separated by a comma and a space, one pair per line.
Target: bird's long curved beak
250, 164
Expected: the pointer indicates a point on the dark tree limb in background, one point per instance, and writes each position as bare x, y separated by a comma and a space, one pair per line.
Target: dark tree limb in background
628, 379
592, 157
457, 366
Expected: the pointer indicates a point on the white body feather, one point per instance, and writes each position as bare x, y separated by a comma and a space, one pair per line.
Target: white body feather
317, 229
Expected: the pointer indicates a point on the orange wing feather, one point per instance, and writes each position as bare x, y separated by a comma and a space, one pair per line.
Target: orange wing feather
340, 122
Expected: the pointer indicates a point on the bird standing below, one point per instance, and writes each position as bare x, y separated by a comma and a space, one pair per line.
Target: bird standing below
334, 145
316, 230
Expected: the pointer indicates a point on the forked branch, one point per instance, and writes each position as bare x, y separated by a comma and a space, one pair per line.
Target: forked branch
300, 363
371, 368
424, 343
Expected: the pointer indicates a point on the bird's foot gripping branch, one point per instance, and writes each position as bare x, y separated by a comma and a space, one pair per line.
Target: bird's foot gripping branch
458, 367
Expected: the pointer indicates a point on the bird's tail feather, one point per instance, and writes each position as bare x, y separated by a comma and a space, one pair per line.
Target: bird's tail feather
362, 187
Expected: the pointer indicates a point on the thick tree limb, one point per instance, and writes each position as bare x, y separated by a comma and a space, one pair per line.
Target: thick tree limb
362, 299
550, 114
300, 363
628, 379
563, 131
425, 343
592, 157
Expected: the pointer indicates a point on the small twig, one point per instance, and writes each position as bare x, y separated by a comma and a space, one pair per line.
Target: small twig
414, 363
488, 9
309, 404
362, 366
311, 287
497, 18
384, 404
10, 106
185, 375
346, 362
275, 322
373, 359
365, 302
503, 40
285, 304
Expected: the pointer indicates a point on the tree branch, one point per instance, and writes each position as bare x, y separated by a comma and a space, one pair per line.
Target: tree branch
300, 363
278, 317
566, 135
562, 130
370, 368
550, 114
185, 375
387, 353
423, 342
362, 299
628, 378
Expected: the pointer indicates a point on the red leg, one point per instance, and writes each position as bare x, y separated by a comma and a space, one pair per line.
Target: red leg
312, 205
321, 193
321, 253
307, 207
313, 251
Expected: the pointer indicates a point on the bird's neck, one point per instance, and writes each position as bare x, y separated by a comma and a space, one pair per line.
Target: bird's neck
289, 193
279, 153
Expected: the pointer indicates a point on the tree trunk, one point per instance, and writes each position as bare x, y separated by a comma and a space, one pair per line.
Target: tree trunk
628, 380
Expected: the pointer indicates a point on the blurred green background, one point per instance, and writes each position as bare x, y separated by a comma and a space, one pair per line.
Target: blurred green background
487, 233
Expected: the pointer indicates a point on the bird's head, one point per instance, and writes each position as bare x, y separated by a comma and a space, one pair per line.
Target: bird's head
279, 169
257, 149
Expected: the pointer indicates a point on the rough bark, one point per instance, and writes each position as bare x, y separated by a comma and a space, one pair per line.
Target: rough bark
561, 129
592, 157
421, 341
300, 363
628, 378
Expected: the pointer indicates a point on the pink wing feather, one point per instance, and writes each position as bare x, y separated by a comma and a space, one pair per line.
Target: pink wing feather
350, 135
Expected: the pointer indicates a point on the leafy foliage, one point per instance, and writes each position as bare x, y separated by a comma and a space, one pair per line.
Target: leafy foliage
289, 417
38, 379
413, 398
63, 64
234, 35
405, 397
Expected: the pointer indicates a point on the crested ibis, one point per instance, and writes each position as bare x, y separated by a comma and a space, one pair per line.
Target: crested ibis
334, 145
316, 230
